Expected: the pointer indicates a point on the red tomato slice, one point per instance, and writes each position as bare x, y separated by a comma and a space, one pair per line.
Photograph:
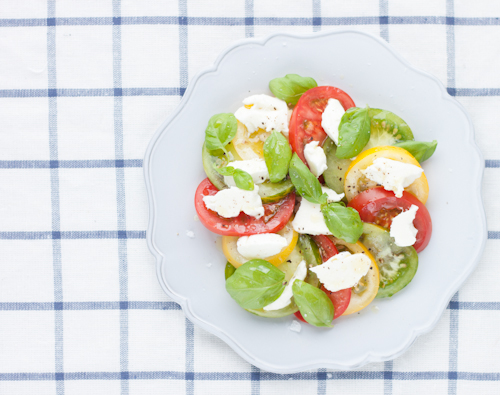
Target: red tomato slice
276, 215
340, 299
305, 124
326, 247
379, 207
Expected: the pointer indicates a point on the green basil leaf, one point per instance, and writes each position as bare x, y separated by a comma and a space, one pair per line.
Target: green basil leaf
255, 284
225, 171
305, 182
291, 87
277, 154
229, 270
343, 222
243, 180
314, 305
354, 132
421, 150
220, 131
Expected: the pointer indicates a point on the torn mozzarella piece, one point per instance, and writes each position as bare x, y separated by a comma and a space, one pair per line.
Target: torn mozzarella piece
402, 228
263, 112
343, 270
330, 119
316, 158
255, 167
393, 175
228, 203
261, 246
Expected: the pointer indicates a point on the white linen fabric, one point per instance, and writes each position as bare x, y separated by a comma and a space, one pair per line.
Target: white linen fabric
83, 87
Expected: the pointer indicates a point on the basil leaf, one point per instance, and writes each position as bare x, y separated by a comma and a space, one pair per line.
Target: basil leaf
220, 131
305, 182
354, 132
229, 270
419, 149
243, 180
225, 171
277, 154
314, 305
255, 284
343, 222
291, 87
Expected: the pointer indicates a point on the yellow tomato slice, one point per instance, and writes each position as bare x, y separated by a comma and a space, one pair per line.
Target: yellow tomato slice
355, 182
230, 249
362, 297
249, 146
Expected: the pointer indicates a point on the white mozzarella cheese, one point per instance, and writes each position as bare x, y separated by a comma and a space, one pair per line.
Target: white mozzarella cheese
266, 112
316, 158
286, 296
228, 203
330, 120
343, 270
309, 218
255, 167
261, 246
392, 175
402, 228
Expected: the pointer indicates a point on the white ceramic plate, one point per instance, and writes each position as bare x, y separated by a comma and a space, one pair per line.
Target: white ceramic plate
369, 70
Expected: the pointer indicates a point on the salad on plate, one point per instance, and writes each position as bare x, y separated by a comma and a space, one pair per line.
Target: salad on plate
320, 204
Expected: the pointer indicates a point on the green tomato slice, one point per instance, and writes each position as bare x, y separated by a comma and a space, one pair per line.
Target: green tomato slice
334, 175
397, 265
387, 129
288, 267
272, 192
215, 158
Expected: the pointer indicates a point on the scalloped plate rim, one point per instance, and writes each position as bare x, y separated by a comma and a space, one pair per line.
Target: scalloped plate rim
368, 357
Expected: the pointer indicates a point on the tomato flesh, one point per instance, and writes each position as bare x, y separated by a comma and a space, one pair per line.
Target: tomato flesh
305, 124
379, 207
340, 299
276, 215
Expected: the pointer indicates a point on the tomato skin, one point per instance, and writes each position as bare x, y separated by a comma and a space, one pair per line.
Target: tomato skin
379, 207
278, 215
305, 124
326, 247
340, 299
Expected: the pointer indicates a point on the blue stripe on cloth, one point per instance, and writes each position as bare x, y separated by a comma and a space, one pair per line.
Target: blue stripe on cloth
120, 195
173, 91
75, 92
46, 306
316, 11
142, 305
263, 21
108, 163
249, 19
454, 314
69, 164
241, 376
183, 81
54, 196
384, 19
57, 235
321, 377
108, 234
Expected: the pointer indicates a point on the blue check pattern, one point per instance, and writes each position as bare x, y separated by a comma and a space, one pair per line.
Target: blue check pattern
80, 308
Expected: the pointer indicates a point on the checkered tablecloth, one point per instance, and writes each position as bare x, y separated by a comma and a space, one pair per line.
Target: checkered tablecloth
83, 86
